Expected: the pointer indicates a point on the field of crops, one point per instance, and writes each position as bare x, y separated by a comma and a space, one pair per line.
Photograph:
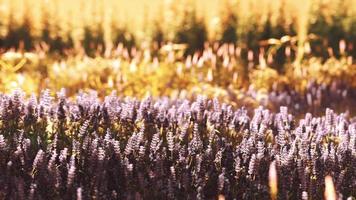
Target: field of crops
178, 99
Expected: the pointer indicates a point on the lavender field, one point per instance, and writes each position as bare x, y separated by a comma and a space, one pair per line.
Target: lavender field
158, 149
177, 99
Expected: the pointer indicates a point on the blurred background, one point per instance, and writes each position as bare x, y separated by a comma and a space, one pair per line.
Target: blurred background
91, 23
241, 51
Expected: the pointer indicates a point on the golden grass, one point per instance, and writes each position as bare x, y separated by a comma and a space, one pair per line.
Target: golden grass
140, 16
223, 75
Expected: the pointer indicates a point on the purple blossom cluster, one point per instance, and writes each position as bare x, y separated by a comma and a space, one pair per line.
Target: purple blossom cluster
58, 148
316, 97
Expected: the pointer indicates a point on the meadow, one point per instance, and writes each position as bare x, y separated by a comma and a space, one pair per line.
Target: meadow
177, 99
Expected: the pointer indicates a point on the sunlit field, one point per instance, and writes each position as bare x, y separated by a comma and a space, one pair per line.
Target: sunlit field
178, 99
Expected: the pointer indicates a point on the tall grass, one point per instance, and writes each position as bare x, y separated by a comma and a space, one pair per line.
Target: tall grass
71, 23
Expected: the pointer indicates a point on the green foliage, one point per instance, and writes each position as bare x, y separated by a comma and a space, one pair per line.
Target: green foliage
229, 33
192, 32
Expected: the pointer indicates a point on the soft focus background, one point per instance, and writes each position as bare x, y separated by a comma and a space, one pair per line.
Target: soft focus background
251, 52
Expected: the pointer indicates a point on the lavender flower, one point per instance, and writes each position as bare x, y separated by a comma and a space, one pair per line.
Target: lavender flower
117, 149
